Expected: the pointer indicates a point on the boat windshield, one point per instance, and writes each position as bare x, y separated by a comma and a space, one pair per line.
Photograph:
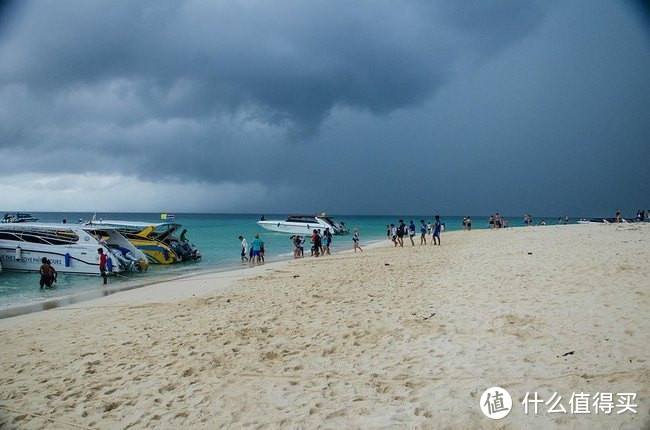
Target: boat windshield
46, 237
302, 218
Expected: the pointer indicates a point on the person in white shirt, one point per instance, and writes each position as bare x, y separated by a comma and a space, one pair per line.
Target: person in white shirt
244, 249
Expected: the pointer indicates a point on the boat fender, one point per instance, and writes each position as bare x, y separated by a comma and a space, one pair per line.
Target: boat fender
109, 265
66, 259
19, 253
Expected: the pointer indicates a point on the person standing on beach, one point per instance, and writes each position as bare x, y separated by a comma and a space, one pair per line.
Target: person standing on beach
328, 240
497, 221
103, 261
437, 226
412, 232
315, 244
423, 233
319, 242
388, 231
297, 246
619, 218
244, 249
469, 223
262, 250
393, 234
256, 247
401, 231
491, 222
355, 241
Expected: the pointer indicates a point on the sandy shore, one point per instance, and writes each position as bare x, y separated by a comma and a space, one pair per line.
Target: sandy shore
391, 338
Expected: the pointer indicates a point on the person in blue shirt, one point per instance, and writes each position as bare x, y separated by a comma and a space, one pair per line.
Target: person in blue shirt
423, 233
256, 247
437, 226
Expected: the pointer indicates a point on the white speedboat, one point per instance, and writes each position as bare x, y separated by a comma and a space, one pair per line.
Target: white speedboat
70, 248
303, 224
18, 217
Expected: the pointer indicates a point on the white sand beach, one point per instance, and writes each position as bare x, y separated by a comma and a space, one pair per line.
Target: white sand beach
389, 338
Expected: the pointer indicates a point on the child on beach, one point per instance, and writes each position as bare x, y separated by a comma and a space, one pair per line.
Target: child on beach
244, 249
355, 241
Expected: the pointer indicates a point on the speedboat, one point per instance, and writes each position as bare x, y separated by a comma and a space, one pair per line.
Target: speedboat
304, 224
70, 248
157, 240
18, 217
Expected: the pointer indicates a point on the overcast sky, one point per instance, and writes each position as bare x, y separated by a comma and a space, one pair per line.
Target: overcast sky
449, 107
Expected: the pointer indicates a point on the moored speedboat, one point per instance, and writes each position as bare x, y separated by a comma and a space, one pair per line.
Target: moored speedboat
70, 248
157, 240
303, 224
18, 217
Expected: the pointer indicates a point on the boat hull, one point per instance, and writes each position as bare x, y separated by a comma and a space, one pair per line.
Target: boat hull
82, 260
156, 252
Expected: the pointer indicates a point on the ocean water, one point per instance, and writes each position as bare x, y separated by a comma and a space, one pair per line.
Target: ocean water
216, 236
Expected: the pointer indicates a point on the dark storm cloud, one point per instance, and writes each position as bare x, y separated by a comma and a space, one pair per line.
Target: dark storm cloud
281, 62
344, 103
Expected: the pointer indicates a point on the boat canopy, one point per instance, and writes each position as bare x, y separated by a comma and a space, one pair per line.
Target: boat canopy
135, 225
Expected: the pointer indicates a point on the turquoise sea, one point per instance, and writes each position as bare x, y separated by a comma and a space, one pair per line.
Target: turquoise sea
216, 237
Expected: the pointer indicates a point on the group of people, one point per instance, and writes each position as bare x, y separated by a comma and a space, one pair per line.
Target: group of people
396, 233
321, 243
253, 254
497, 221
49, 275
467, 223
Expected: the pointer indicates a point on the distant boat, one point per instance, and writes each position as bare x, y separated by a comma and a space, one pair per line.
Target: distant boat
18, 217
303, 224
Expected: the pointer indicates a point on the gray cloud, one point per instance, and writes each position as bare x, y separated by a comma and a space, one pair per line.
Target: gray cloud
444, 102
